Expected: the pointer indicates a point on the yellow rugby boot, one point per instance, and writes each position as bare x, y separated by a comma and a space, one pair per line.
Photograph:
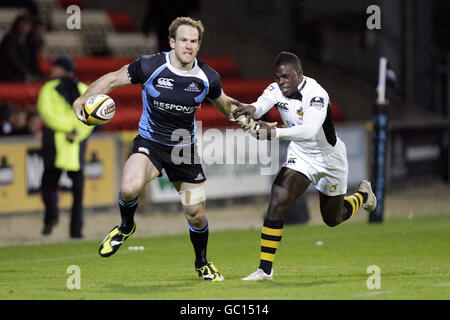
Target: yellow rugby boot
113, 241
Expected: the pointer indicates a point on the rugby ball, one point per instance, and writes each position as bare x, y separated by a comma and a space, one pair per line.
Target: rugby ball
99, 109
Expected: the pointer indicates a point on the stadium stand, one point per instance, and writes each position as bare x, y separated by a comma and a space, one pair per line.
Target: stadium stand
108, 41
121, 21
130, 44
61, 42
7, 17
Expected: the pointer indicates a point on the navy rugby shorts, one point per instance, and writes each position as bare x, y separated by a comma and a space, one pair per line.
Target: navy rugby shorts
182, 164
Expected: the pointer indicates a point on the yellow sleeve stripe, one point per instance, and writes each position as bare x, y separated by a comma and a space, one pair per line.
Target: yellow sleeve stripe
272, 232
270, 243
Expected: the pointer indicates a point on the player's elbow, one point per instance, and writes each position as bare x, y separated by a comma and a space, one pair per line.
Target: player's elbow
117, 78
309, 133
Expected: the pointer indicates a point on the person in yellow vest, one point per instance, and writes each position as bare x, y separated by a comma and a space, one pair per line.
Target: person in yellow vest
63, 142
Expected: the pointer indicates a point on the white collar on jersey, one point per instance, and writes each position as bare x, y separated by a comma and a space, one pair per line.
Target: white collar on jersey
179, 72
302, 84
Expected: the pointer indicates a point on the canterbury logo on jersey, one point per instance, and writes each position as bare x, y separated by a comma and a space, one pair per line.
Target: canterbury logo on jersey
165, 83
171, 106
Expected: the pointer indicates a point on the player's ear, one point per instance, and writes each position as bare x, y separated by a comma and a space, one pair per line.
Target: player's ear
172, 43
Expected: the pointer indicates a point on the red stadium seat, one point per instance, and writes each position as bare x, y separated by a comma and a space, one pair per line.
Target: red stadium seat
20, 95
225, 66
88, 69
121, 21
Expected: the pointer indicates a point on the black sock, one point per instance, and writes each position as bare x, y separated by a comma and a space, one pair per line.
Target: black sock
127, 210
199, 239
271, 233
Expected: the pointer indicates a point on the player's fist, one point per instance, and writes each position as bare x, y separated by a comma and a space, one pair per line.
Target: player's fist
243, 115
78, 109
264, 130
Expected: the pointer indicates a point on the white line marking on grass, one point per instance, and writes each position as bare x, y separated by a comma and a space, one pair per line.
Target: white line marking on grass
441, 285
90, 255
374, 293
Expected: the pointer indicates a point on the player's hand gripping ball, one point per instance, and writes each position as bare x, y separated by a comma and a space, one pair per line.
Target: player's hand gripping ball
99, 109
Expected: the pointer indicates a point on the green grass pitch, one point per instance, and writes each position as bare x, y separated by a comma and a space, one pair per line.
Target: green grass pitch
413, 256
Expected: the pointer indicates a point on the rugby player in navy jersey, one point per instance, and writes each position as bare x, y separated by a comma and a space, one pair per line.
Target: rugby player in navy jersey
173, 86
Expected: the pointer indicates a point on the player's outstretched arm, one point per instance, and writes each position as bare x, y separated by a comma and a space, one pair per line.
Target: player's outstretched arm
104, 84
227, 105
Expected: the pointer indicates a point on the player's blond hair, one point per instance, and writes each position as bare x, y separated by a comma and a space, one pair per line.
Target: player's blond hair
186, 21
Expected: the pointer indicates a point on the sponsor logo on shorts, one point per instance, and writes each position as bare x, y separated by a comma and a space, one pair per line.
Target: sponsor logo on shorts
333, 187
199, 177
292, 160
144, 150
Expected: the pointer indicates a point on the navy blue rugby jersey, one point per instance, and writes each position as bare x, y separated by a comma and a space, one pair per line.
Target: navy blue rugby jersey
170, 96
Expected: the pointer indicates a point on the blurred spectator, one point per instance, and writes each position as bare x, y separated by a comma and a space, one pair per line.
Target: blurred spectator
64, 140
16, 53
35, 40
16, 122
34, 124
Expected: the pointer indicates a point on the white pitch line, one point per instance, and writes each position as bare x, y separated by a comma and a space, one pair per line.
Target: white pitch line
441, 285
372, 293
90, 255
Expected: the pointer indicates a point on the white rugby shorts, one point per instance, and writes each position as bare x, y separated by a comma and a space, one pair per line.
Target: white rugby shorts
328, 172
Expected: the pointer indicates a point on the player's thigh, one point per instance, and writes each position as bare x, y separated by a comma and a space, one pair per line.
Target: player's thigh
193, 198
288, 186
331, 207
137, 172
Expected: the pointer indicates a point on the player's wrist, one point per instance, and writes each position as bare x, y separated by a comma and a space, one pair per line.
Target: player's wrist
276, 133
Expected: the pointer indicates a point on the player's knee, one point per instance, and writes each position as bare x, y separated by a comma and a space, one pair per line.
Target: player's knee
129, 191
278, 205
195, 215
331, 221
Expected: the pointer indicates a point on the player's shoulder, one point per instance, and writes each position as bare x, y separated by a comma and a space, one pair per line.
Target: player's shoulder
209, 72
313, 88
152, 59
315, 95
272, 90
144, 66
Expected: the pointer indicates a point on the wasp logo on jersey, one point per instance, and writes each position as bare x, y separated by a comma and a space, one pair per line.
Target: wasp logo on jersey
300, 111
268, 89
